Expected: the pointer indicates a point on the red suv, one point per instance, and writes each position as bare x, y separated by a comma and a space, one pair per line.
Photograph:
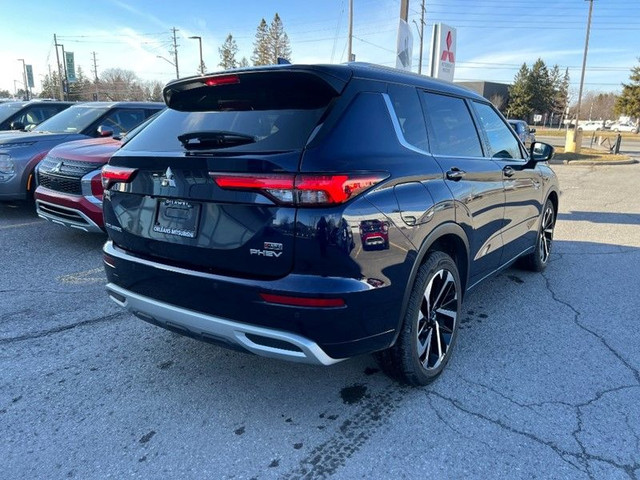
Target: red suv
69, 189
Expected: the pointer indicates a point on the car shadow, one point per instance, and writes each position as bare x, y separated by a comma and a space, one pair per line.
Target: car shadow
601, 217
17, 211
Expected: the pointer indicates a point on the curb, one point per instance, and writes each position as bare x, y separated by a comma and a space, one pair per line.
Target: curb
592, 163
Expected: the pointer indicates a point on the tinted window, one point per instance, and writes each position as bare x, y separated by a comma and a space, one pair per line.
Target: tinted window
121, 121
8, 109
501, 140
407, 106
451, 128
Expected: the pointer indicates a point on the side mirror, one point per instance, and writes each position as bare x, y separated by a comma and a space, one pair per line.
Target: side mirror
104, 131
17, 125
541, 152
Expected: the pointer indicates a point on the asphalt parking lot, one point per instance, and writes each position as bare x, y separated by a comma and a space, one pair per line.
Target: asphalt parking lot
544, 383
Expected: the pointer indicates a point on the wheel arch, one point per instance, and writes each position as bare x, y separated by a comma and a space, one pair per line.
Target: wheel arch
554, 197
450, 239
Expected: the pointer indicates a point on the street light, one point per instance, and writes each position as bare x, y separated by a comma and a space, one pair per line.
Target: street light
166, 60
196, 37
24, 77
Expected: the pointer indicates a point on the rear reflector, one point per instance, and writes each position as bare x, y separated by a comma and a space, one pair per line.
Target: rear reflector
303, 301
301, 190
221, 80
111, 175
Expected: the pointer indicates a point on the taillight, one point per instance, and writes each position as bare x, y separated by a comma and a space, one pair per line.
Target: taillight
111, 175
301, 190
221, 80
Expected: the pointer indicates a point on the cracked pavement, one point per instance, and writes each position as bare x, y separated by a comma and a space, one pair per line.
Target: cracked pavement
544, 383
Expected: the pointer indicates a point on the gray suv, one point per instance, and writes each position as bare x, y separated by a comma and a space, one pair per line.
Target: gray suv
26, 115
20, 153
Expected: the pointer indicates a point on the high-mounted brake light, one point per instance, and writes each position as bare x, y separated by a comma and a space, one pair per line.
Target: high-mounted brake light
301, 190
221, 80
111, 175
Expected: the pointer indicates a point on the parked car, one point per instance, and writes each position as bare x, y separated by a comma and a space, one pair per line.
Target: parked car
20, 153
221, 211
69, 188
525, 134
26, 115
624, 127
592, 126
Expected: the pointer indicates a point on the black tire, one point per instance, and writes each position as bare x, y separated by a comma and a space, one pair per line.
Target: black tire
429, 330
538, 260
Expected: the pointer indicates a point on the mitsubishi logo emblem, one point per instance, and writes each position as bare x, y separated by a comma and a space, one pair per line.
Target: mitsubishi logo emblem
168, 180
57, 168
447, 55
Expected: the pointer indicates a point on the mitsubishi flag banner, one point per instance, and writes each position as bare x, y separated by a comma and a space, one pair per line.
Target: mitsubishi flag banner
443, 52
405, 46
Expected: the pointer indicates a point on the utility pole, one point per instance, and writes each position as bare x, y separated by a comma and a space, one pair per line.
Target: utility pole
95, 75
350, 57
404, 10
55, 44
584, 64
175, 51
421, 31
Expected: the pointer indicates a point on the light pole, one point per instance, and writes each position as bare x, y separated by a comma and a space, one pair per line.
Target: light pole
196, 37
24, 77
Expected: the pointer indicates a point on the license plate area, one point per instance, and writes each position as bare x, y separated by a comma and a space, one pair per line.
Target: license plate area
177, 217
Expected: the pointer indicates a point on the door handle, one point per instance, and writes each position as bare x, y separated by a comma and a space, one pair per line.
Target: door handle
508, 171
455, 174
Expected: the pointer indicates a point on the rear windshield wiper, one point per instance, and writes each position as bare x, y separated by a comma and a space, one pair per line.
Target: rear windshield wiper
215, 139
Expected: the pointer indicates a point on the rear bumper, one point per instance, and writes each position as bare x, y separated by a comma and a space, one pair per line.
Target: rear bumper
74, 211
230, 310
262, 341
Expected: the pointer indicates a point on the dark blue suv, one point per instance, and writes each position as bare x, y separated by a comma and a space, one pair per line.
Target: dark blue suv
237, 216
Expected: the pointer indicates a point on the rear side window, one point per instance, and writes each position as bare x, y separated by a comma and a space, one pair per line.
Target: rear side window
258, 113
123, 120
502, 142
451, 128
407, 106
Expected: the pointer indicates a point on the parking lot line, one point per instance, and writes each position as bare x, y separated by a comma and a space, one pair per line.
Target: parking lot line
95, 275
17, 225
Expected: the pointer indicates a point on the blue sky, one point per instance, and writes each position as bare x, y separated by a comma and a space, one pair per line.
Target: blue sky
494, 36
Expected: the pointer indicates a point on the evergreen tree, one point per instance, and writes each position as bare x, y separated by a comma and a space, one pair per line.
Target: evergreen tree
228, 52
5, 94
261, 45
243, 63
628, 102
541, 85
520, 95
279, 45
50, 86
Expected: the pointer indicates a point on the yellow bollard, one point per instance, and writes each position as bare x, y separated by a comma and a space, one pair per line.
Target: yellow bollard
573, 142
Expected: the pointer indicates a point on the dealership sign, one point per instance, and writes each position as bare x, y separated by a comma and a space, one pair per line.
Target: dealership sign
71, 67
443, 52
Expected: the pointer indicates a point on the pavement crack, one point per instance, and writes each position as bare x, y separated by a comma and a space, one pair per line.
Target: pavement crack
583, 458
63, 328
576, 321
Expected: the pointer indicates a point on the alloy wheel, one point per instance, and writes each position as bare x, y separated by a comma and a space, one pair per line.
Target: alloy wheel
546, 235
437, 319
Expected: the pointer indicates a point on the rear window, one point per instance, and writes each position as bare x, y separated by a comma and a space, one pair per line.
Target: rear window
259, 113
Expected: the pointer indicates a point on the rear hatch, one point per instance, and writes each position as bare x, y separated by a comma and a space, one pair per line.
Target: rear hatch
205, 185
